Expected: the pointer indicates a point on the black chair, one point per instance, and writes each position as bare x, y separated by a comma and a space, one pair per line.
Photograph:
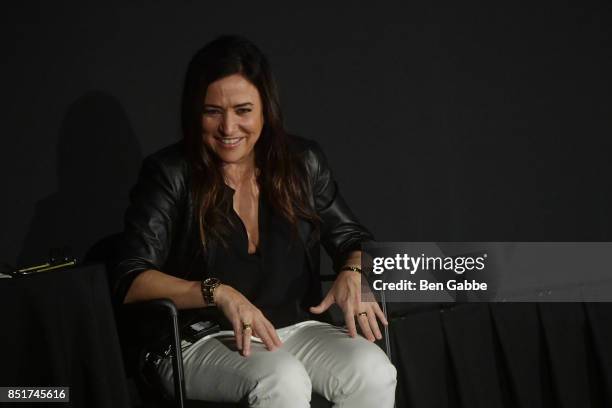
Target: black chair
127, 315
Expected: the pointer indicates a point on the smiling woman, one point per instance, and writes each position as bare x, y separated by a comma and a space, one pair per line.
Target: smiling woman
231, 220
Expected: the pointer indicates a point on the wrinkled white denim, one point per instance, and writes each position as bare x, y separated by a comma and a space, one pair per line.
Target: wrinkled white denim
350, 372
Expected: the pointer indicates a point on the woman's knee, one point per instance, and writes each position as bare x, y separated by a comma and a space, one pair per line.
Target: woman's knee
282, 383
368, 372
372, 363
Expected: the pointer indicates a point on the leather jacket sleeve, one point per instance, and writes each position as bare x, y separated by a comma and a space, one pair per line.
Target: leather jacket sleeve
341, 232
150, 223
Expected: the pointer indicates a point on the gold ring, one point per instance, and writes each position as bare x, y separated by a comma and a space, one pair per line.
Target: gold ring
246, 326
362, 314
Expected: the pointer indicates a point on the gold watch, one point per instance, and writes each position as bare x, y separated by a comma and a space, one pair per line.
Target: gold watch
208, 287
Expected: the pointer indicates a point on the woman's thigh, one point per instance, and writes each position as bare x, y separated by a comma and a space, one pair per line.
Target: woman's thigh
351, 372
216, 371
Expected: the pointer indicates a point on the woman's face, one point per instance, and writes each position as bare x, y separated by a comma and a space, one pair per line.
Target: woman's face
232, 119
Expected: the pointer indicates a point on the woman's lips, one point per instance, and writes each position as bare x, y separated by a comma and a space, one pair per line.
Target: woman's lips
229, 142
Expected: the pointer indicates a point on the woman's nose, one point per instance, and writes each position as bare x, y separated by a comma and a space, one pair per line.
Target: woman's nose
228, 124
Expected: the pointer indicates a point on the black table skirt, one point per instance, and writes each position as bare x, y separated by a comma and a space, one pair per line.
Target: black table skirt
58, 329
504, 355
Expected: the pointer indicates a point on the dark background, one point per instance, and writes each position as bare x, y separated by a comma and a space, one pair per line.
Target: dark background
442, 122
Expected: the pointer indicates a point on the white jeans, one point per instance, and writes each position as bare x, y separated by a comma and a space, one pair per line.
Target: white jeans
350, 372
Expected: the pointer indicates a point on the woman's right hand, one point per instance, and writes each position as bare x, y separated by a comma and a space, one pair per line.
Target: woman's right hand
239, 311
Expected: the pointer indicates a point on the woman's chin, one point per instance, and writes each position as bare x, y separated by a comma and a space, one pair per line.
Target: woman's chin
232, 157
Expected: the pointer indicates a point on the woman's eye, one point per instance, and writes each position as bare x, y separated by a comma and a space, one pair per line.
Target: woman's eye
242, 111
211, 111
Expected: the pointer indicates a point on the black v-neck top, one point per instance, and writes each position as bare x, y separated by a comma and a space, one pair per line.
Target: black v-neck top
275, 278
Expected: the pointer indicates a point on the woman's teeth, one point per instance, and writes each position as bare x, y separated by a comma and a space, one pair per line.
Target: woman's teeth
230, 141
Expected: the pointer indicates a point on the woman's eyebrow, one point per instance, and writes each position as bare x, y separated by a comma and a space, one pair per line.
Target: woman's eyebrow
239, 105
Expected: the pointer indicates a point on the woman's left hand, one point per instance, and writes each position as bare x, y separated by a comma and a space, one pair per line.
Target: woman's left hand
346, 292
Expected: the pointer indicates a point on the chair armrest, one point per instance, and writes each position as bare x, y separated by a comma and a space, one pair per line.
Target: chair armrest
167, 306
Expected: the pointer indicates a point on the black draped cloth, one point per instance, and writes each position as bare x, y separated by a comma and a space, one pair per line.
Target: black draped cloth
504, 355
58, 329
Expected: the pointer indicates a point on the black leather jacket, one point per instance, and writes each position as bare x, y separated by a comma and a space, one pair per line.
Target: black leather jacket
161, 232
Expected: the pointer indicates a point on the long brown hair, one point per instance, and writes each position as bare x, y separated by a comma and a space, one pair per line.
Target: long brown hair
282, 177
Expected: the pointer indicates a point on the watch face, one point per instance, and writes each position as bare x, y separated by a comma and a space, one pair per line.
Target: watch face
208, 287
